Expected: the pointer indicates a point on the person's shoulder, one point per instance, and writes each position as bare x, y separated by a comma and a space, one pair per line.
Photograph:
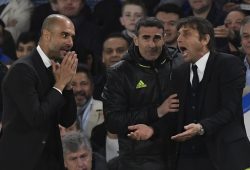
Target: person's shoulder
225, 57
97, 103
119, 66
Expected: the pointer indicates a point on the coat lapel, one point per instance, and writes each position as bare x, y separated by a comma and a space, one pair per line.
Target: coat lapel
206, 79
182, 83
43, 73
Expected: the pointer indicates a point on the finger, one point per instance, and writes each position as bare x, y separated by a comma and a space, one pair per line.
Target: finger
173, 105
75, 63
173, 110
133, 127
173, 96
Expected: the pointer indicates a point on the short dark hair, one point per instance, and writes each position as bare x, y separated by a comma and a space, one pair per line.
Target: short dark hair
83, 68
148, 22
134, 2
26, 37
202, 25
169, 8
116, 35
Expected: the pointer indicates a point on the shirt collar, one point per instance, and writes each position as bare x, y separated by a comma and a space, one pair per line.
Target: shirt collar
44, 57
246, 63
201, 63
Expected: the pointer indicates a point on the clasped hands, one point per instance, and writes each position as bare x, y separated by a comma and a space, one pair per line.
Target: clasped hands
65, 71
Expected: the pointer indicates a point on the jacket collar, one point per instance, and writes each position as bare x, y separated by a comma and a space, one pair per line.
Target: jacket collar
134, 55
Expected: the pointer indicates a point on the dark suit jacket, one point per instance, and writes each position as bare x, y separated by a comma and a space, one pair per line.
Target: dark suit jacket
220, 110
31, 113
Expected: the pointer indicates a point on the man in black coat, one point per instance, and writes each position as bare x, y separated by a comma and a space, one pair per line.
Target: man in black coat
210, 131
137, 91
36, 99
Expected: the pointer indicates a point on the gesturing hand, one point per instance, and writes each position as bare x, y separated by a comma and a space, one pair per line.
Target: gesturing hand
171, 104
140, 132
65, 71
191, 130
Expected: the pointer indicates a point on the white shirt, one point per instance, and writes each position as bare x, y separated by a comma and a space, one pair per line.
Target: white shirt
44, 57
112, 148
201, 65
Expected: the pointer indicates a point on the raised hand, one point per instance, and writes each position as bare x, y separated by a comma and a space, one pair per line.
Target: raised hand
171, 104
140, 132
65, 71
191, 130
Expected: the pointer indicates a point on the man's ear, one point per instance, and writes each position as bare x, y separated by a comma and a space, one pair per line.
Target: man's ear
46, 34
205, 40
121, 21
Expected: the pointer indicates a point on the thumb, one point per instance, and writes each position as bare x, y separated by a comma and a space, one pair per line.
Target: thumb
133, 127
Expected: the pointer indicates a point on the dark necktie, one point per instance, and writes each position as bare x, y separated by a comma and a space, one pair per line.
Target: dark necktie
195, 81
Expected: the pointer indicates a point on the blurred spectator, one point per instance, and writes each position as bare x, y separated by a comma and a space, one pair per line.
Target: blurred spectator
77, 153
3, 57
7, 43
169, 14
39, 14
231, 31
207, 9
89, 110
16, 16
88, 34
132, 11
108, 22
245, 41
26, 42
113, 49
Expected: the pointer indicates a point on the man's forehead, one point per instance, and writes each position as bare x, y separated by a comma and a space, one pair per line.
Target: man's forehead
150, 31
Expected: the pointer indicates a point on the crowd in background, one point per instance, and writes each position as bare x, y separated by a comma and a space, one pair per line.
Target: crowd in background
104, 31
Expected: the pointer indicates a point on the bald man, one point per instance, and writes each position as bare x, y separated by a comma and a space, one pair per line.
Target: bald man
37, 96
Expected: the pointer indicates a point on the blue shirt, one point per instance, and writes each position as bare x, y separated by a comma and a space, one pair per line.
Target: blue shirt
247, 72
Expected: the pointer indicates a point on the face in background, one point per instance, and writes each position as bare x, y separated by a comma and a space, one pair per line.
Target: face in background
130, 15
150, 41
245, 39
25, 49
200, 6
82, 88
80, 160
59, 39
233, 20
192, 46
69, 8
169, 20
113, 50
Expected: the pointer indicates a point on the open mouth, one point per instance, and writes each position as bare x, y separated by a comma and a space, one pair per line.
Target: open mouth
183, 50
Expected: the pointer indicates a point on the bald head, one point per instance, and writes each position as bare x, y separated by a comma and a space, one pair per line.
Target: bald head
57, 35
52, 20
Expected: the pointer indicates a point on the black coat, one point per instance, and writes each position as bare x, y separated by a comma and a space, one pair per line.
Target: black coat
219, 109
32, 110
